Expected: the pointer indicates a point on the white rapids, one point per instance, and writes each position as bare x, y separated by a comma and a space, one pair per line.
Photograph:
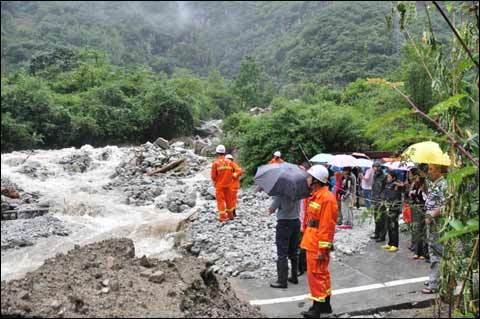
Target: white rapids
89, 211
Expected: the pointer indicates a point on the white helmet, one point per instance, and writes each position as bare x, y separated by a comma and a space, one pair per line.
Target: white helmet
229, 156
277, 154
220, 149
320, 172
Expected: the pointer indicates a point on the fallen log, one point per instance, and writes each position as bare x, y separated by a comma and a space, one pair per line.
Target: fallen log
167, 167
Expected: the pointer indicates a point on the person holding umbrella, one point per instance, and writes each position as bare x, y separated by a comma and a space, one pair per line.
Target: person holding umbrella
286, 238
322, 214
430, 153
287, 183
434, 204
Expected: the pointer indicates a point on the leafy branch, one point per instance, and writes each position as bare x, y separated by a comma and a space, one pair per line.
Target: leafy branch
452, 139
456, 33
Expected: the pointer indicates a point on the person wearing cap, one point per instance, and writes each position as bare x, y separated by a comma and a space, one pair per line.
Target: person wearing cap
235, 184
322, 214
277, 158
222, 177
378, 188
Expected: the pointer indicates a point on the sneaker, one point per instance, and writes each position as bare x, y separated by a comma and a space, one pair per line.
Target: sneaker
393, 249
387, 247
348, 227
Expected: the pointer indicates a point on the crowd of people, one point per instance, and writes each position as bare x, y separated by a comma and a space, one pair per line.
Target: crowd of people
305, 228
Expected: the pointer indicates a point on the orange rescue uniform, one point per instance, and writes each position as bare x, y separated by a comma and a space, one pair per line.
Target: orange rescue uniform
276, 160
235, 184
321, 215
222, 177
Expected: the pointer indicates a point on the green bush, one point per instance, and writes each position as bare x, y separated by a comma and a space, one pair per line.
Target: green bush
322, 127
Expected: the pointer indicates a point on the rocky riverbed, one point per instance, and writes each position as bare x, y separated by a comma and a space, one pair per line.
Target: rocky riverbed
105, 279
25, 232
246, 247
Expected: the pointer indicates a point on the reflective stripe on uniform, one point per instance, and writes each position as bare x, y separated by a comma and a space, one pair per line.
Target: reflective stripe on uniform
314, 204
317, 299
324, 244
222, 168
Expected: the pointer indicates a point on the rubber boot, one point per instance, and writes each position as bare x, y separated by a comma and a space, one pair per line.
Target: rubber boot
313, 311
282, 274
293, 277
326, 307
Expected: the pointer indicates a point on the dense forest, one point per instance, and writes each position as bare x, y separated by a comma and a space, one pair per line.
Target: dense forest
320, 41
127, 72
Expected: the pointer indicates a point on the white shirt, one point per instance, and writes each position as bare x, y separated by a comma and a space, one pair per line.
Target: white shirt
367, 180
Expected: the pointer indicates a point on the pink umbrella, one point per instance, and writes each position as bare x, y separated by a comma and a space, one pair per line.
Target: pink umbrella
343, 161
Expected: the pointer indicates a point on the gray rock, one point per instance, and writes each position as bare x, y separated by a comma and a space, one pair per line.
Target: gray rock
24, 295
161, 142
145, 262
247, 275
115, 285
56, 305
157, 277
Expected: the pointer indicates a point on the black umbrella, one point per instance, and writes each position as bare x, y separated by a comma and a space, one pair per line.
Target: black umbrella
284, 179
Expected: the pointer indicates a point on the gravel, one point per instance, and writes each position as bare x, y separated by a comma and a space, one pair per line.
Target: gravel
246, 247
25, 232
140, 189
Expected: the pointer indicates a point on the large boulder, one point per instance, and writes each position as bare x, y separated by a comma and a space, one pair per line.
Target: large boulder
209, 128
76, 163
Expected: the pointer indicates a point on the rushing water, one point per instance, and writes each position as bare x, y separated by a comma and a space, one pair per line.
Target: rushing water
89, 211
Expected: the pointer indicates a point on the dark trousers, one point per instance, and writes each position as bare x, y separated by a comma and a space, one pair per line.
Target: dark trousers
392, 225
419, 231
302, 257
380, 220
286, 239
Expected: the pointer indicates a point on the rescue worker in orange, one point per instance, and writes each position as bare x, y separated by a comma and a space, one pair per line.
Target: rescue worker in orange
277, 158
322, 213
235, 184
222, 177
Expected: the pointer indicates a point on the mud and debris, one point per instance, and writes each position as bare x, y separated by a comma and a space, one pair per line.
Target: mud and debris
104, 279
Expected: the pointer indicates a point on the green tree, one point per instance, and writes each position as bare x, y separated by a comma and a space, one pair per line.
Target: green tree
251, 85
